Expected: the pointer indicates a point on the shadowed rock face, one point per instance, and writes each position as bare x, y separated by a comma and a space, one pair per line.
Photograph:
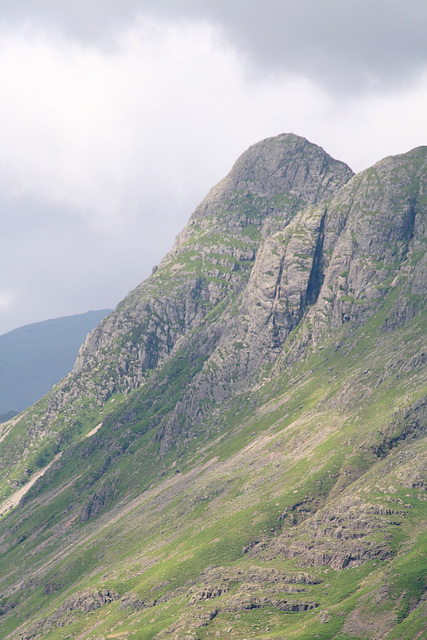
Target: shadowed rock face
382, 215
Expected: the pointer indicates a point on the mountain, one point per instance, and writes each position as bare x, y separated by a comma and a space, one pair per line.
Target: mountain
35, 357
4, 417
240, 449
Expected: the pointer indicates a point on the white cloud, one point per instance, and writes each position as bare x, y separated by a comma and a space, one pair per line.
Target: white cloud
104, 132
377, 124
7, 298
101, 131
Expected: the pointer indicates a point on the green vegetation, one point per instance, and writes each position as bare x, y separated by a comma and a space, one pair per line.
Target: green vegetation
219, 468
206, 519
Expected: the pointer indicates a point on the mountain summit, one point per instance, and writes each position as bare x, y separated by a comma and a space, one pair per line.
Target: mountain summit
240, 447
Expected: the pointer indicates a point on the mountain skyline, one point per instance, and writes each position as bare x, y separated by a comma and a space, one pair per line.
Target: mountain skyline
240, 448
118, 117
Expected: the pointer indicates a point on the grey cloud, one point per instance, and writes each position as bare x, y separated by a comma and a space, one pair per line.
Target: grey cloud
51, 264
350, 45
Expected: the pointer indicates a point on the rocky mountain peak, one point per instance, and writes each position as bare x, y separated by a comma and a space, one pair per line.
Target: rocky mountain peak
240, 448
286, 165
289, 163
213, 256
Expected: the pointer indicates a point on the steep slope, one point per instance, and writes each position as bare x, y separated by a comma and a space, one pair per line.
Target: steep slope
213, 256
208, 266
35, 357
240, 450
334, 264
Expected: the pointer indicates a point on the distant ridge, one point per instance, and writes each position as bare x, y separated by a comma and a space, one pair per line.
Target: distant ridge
4, 417
36, 356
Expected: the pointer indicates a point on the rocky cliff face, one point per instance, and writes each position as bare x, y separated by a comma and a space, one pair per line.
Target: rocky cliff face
210, 264
213, 256
240, 448
333, 264
289, 241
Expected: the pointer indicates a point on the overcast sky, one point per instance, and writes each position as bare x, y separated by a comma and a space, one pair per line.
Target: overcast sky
117, 116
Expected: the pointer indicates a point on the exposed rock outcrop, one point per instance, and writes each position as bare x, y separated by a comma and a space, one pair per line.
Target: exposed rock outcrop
268, 408
332, 265
83, 602
212, 257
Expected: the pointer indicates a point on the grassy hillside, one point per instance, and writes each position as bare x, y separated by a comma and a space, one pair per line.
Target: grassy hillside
266, 477
298, 514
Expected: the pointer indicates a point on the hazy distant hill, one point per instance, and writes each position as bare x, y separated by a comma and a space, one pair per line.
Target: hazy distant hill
35, 357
